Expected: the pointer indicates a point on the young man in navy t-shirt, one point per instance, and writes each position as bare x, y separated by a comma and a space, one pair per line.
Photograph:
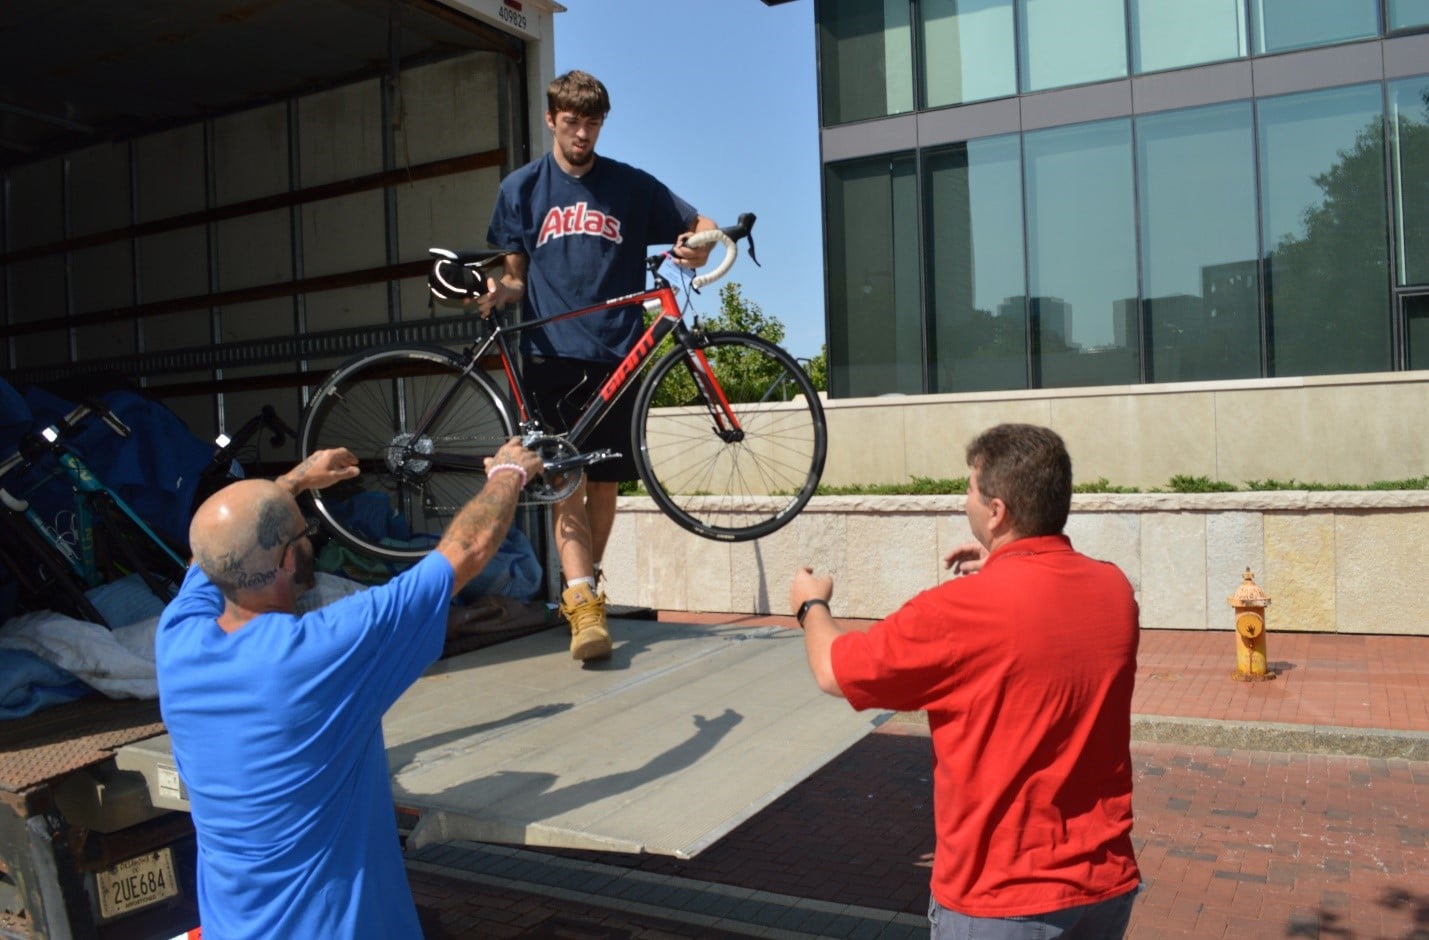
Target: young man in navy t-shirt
578, 228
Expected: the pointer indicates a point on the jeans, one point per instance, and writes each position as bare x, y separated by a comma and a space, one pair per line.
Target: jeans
1102, 920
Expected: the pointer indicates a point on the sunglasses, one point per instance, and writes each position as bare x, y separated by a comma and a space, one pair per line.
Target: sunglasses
312, 528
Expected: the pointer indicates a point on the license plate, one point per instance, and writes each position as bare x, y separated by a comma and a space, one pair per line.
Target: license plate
136, 883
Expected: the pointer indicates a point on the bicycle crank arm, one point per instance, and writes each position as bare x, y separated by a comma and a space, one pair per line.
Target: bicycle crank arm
579, 461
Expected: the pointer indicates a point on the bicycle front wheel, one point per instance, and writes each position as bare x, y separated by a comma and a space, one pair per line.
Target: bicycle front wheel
421, 424
730, 474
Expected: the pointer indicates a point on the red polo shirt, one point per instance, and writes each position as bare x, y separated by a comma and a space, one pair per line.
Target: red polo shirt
1025, 670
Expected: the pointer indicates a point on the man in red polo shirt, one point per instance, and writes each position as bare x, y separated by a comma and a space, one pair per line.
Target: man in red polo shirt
1026, 672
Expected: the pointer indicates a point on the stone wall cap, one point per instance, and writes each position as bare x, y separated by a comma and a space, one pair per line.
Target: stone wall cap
1240, 501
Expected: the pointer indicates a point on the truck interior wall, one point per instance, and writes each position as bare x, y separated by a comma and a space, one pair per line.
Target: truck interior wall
446, 109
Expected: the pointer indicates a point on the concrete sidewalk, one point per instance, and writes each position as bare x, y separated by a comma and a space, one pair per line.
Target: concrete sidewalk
1297, 807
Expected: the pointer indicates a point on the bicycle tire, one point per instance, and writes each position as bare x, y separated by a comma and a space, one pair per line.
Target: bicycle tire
397, 508
740, 486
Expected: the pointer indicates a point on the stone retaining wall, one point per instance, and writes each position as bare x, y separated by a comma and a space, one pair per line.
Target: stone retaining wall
1332, 562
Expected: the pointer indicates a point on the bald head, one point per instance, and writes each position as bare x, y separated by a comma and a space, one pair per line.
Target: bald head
239, 534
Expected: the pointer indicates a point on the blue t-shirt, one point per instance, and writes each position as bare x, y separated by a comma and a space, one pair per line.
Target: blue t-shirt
277, 733
586, 239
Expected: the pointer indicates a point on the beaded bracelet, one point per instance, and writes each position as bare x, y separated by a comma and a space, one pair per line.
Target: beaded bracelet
514, 468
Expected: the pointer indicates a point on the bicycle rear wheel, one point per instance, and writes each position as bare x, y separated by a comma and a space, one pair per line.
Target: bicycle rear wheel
730, 483
421, 425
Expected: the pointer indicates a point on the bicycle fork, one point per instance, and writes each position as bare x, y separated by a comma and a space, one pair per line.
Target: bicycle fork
726, 422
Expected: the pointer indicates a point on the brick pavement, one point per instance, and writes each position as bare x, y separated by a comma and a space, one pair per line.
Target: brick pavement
1234, 841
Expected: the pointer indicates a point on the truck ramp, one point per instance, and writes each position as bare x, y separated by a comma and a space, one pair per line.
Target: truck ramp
683, 734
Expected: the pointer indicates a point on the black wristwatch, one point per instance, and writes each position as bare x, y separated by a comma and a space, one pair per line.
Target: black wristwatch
804, 609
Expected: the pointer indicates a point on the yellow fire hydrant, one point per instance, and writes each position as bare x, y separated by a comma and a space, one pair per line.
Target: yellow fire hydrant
1250, 602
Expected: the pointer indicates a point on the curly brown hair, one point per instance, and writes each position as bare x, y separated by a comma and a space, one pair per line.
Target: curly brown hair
1029, 469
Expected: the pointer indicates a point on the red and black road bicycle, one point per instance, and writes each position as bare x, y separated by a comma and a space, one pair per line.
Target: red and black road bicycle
728, 432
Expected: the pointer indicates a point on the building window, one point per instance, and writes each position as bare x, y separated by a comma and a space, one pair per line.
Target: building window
1409, 143
1081, 255
875, 321
865, 59
1325, 230
1416, 331
1199, 270
1065, 43
1174, 35
976, 280
1408, 14
1282, 25
967, 51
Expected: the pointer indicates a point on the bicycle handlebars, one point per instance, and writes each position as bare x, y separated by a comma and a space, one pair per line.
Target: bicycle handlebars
95, 406
33, 444
729, 236
226, 446
457, 277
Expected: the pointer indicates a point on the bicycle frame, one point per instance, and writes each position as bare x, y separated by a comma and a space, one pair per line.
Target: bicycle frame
670, 320
21, 508
80, 559
730, 456
86, 488
38, 566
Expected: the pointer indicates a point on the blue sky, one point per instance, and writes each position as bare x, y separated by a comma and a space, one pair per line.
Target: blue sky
717, 99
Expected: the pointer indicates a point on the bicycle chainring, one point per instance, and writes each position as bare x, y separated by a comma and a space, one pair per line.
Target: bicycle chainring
552, 488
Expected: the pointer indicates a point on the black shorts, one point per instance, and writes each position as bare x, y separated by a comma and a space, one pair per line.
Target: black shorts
561, 388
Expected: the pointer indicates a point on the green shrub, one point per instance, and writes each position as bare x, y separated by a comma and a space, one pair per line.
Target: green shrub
1416, 483
1181, 483
917, 486
1100, 485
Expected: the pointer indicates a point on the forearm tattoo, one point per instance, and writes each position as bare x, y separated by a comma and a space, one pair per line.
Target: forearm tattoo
487, 515
292, 480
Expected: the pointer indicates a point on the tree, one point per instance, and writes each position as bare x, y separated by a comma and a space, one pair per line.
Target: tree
818, 369
743, 374
745, 316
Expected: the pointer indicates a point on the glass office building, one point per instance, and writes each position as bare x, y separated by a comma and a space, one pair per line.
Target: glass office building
1027, 194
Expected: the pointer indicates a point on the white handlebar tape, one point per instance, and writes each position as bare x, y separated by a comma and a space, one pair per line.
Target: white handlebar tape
731, 251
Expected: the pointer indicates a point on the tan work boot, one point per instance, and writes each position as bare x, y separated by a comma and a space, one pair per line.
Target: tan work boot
585, 611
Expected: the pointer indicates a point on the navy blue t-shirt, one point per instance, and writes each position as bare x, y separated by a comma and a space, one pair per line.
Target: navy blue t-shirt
587, 239
277, 732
